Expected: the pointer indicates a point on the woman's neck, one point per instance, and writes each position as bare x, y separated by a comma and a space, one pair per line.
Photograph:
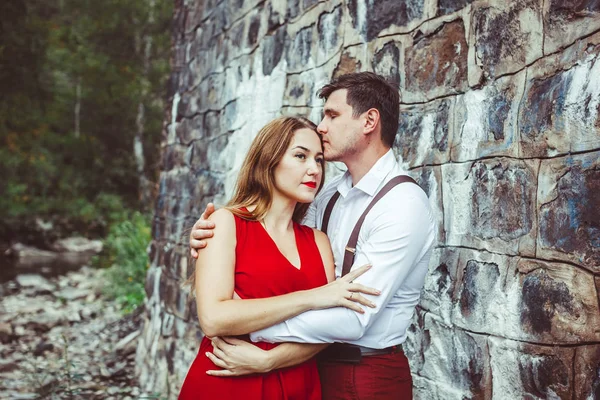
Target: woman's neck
279, 216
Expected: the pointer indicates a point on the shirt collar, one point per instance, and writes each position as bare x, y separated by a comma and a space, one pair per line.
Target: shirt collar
372, 179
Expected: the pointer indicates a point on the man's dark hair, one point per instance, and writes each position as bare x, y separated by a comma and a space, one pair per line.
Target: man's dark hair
367, 90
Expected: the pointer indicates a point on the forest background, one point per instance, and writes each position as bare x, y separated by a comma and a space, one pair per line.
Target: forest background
82, 88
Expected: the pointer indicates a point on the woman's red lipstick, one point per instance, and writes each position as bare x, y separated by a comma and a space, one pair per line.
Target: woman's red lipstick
310, 184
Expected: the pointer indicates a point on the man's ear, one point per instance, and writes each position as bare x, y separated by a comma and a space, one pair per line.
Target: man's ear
372, 120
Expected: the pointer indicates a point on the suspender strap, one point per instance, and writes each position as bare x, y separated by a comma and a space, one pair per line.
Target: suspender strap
350, 250
328, 209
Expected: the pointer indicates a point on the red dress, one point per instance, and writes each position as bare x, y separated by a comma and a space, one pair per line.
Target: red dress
261, 270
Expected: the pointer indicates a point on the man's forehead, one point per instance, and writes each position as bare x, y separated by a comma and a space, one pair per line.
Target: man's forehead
336, 99
338, 95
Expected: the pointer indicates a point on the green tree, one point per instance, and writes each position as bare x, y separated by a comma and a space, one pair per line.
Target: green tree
74, 76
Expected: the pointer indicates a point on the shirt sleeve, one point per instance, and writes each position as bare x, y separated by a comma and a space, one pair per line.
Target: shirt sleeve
398, 237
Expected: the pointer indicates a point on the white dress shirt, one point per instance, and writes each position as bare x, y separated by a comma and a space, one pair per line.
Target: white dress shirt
396, 238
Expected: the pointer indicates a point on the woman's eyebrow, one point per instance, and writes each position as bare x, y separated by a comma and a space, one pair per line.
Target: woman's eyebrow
302, 147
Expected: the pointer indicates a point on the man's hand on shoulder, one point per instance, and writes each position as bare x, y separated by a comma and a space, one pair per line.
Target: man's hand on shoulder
202, 230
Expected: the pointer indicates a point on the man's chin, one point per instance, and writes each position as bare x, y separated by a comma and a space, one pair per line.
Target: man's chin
331, 156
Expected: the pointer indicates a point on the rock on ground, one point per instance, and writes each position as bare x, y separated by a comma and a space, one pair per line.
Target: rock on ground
65, 341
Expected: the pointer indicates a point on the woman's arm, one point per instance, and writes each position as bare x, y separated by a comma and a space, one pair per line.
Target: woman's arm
326, 254
220, 315
237, 357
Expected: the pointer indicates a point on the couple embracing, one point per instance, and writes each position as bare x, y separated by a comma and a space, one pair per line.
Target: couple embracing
305, 290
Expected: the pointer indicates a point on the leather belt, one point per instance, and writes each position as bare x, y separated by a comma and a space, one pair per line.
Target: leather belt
349, 353
367, 351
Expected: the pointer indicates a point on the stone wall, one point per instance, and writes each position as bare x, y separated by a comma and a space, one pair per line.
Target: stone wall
500, 123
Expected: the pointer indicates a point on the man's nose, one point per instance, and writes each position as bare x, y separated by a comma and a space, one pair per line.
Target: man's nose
321, 128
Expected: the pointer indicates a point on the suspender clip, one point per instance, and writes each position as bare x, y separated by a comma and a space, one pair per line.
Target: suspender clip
351, 249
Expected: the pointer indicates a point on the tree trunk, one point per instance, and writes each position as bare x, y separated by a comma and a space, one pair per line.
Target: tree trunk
145, 40
77, 110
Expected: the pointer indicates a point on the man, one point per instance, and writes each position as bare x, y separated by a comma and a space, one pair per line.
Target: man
359, 127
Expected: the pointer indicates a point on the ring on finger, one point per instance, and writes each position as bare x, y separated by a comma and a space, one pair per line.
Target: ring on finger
351, 294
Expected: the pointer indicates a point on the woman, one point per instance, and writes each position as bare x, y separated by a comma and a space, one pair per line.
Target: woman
262, 267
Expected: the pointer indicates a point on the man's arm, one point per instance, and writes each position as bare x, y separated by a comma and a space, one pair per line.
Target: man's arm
395, 241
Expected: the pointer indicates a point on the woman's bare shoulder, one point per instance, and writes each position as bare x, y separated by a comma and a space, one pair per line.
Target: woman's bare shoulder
224, 220
320, 237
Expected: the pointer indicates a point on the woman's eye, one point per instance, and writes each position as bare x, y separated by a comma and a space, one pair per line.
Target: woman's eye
301, 156
321, 161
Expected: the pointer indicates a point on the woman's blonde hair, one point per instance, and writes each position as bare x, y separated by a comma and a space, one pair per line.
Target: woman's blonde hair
256, 180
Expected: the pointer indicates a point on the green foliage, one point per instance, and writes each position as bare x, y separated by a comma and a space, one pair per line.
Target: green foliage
125, 256
68, 64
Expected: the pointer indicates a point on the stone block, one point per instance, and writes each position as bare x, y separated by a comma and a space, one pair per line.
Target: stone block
435, 63
386, 61
206, 154
236, 36
238, 9
211, 125
558, 303
481, 302
301, 89
424, 133
176, 300
208, 95
528, 371
456, 360
254, 27
152, 284
485, 120
292, 9
299, 49
351, 60
187, 130
425, 389
490, 204
371, 19
179, 56
566, 21
513, 298
430, 179
587, 372
158, 229
175, 156
330, 34
560, 113
441, 283
303, 111
507, 36
568, 202
273, 48
450, 6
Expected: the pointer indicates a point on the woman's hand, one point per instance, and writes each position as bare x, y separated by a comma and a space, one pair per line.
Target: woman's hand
343, 292
237, 358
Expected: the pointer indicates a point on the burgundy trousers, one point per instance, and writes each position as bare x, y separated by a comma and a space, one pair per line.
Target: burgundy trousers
381, 377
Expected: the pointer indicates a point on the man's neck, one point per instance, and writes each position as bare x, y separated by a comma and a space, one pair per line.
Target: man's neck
360, 163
